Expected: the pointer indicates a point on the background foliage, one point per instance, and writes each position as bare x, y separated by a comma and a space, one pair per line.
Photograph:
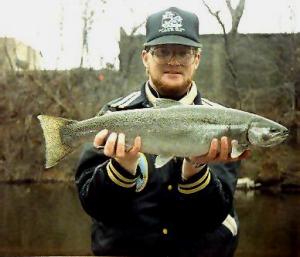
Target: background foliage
268, 79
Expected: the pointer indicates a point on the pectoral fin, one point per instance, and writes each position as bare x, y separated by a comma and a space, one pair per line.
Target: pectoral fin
237, 149
162, 160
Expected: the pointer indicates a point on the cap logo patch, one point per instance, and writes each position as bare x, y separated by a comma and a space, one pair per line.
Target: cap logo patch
171, 21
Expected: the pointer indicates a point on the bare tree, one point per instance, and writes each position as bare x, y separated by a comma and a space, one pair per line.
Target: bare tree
132, 50
230, 39
61, 32
89, 9
236, 15
8, 55
87, 25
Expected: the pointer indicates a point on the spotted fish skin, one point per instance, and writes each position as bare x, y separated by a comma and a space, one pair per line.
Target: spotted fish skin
169, 129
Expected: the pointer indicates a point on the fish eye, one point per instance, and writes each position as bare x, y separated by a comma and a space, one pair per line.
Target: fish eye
265, 137
273, 130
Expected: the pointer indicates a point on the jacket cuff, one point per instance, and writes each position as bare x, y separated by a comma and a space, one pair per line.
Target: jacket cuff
196, 183
119, 175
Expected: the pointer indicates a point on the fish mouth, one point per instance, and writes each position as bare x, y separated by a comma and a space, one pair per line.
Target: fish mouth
282, 135
285, 133
278, 138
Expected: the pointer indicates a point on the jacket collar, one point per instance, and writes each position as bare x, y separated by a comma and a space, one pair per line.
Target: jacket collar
139, 99
193, 96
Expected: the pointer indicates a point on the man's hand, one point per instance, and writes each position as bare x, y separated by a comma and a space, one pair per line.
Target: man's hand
218, 152
114, 147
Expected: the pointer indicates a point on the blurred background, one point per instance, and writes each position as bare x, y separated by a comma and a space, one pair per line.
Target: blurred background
68, 58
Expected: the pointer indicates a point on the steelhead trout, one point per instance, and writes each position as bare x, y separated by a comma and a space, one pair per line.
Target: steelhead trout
169, 129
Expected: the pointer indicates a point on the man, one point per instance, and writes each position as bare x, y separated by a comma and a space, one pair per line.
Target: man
182, 209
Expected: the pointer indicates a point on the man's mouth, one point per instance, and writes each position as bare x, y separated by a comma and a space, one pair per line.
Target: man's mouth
172, 72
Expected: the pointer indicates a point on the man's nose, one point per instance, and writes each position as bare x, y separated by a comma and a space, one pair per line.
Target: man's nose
173, 60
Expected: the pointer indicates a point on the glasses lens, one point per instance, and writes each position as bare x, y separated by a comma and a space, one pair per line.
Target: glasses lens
163, 55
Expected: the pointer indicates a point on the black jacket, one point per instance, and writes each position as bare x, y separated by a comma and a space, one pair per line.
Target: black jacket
155, 213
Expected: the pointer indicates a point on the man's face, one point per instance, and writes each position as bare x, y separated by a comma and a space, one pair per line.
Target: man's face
171, 68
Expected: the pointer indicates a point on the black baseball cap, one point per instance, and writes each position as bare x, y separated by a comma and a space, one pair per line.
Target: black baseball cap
172, 26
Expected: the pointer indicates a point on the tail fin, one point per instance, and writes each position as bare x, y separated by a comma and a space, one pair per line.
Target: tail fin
55, 148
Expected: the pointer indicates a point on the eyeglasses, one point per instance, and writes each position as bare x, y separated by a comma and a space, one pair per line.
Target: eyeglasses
183, 55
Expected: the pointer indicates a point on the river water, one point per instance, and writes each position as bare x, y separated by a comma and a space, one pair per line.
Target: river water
47, 219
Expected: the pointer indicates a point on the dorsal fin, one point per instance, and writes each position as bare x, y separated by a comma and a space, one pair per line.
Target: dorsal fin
164, 103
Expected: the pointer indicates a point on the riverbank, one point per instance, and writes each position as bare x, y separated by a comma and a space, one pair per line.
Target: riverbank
244, 185
46, 219
60, 93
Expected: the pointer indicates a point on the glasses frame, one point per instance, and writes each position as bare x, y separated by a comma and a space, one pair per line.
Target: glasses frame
159, 60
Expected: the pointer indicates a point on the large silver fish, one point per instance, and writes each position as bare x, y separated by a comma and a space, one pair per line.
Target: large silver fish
169, 129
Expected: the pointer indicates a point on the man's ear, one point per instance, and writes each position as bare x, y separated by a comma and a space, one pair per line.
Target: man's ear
197, 61
144, 56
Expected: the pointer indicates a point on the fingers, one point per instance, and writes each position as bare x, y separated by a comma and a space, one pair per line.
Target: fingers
210, 156
120, 148
225, 149
110, 145
136, 146
114, 144
213, 150
220, 152
100, 138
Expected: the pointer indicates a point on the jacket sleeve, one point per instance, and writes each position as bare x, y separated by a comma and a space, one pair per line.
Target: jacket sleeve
207, 198
105, 188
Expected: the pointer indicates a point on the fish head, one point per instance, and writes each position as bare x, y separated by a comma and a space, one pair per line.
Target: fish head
266, 133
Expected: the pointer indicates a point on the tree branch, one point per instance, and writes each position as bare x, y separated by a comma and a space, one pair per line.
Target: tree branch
50, 95
229, 38
7, 54
236, 14
228, 2
134, 29
216, 15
